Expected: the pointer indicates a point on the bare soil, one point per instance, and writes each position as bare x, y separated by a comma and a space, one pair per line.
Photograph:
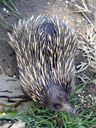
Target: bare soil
27, 8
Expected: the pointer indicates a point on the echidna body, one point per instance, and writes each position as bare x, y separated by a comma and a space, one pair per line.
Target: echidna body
45, 48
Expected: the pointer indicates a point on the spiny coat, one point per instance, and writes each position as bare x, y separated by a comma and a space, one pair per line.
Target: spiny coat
45, 48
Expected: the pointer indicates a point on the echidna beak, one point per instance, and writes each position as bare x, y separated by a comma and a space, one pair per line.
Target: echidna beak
67, 108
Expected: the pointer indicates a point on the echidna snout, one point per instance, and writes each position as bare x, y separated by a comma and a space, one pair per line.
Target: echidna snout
57, 99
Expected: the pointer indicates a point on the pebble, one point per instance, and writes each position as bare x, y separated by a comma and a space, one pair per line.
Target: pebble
67, 1
3, 114
82, 100
14, 76
73, 111
79, 95
89, 95
83, 91
4, 9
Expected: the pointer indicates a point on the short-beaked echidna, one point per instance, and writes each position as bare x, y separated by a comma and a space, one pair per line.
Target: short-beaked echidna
45, 48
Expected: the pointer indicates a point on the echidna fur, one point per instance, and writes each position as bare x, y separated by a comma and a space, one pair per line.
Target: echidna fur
45, 48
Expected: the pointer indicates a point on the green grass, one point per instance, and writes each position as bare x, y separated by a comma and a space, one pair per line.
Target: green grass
45, 118
39, 117
36, 117
42, 117
12, 9
9, 4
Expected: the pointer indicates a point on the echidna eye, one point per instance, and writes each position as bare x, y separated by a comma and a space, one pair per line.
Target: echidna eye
57, 106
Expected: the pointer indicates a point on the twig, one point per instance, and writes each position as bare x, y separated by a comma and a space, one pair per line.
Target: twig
88, 21
82, 11
15, 7
81, 8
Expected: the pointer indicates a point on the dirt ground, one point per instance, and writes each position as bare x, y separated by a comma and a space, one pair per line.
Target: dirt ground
60, 8
27, 8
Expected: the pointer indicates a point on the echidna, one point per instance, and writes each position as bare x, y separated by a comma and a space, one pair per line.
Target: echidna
45, 48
